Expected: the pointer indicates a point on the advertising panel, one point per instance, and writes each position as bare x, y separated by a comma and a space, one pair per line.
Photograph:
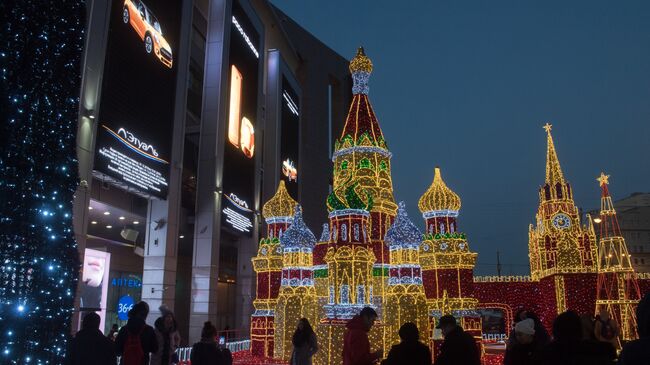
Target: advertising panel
94, 283
240, 150
290, 137
134, 134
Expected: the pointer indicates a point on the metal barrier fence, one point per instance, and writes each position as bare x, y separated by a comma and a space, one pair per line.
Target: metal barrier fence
184, 353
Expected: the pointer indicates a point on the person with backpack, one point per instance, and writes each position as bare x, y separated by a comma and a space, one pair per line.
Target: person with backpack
168, 338
136, 340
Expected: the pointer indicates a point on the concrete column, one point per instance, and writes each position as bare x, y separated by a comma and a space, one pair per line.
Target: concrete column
205, 260
93, 68
161, 241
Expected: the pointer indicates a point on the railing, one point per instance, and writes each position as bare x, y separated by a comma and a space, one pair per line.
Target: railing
184, 353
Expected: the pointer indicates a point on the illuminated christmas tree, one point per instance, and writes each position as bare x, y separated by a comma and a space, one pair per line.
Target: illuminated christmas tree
618, 290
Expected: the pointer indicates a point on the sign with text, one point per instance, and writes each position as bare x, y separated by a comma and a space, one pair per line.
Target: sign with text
134, 134
239, 151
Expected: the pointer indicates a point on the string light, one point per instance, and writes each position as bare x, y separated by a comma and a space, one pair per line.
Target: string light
371, 254
40, 66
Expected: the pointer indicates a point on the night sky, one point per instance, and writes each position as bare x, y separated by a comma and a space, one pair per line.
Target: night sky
467, 85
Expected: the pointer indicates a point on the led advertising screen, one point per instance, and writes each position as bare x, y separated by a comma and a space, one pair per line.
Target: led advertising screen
290, 138
240, 147
94, 283
134, 133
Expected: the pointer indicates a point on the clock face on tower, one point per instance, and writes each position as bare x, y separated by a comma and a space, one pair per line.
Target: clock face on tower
561, 221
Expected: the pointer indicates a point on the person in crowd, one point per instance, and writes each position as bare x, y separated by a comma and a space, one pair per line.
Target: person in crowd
206, 351
591, 345
568, 346
113, 332
136, 340
459, 346
410, 350
167, 337
541, 334
526, 349
637, 352
89, 346
605, 328
304, 342
356, 347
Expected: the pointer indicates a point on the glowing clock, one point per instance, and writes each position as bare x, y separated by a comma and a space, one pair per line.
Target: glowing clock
561, 221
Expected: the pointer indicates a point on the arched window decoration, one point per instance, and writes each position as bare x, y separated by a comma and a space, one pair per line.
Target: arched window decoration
356, 232
383, 166
361, 294
345, 294
547, 192
344, 165
365, 164
344, 232
442, 228
280, 233
558, 190
451, 228
431, 230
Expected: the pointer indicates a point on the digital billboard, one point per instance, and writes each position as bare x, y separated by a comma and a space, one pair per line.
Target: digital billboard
290, 137
134, 134
94, 283
240, 147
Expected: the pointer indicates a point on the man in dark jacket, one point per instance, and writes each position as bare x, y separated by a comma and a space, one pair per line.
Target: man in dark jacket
135, 326
410, 351
356, 347
459, 347
638, 351
90, 346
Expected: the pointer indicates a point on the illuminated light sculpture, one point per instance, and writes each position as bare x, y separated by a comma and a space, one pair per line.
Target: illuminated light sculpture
618, 290
562, 251
278, 213
297, 298
405, 299
371, 254
447, 263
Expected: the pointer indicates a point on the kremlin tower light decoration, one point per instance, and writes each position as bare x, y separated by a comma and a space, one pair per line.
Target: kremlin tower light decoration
618, 291
370, 254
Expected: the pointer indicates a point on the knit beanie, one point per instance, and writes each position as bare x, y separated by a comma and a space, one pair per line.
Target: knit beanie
527, 326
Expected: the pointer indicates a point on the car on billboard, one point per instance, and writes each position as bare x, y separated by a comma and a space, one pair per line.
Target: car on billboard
289, 170
147, 26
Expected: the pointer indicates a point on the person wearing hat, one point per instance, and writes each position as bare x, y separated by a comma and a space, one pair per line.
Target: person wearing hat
410, 351
459, 347
524, 351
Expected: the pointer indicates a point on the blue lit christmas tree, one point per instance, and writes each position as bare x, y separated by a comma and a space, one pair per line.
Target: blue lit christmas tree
40, 62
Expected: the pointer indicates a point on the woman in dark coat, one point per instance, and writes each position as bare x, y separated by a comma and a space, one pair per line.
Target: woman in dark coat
305, 344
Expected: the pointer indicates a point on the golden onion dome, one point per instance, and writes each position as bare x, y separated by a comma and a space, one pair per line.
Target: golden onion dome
280, 205
360, 62
439, 196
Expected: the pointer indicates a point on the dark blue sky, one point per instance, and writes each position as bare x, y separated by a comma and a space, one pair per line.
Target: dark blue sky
467, 85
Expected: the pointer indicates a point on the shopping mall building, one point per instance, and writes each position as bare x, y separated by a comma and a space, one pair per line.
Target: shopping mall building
191, 114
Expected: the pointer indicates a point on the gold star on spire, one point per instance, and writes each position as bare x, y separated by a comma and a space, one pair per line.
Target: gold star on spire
603, 179
547, 127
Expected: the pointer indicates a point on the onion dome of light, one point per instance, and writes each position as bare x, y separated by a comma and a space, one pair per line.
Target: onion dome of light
439, 197
281, 205
403, 232
360, 62
298, 235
